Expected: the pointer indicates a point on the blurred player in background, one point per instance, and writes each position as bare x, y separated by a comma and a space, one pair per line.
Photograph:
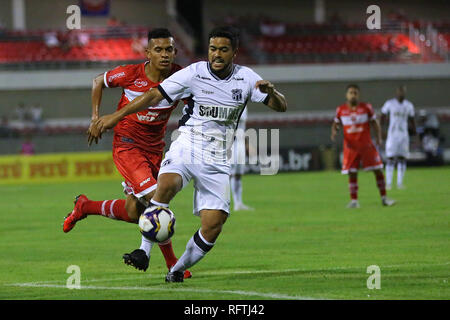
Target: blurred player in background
219, 91
356, 119
138, 143
399, 112
238, 151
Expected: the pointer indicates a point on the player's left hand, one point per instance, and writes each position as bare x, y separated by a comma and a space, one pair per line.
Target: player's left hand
265, 86
101, 125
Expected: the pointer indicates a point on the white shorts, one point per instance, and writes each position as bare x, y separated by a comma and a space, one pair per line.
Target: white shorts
397, 147
211, 180
238, 157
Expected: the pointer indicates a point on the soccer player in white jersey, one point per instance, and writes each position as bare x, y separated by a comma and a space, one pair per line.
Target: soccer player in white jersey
400, 114
219, 91
238, 152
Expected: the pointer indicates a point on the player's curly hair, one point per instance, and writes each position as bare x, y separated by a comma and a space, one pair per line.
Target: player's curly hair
228, 32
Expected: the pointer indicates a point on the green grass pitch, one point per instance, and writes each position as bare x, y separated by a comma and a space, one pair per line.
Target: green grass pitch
300, 242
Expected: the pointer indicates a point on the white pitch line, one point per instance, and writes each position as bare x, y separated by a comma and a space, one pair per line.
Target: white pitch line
156, 289
221, 273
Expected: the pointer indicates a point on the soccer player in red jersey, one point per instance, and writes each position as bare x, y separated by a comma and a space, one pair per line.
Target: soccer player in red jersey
138, 143
356, 119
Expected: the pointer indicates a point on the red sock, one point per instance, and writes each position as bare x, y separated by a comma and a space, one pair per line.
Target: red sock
381, 184
169, 255
353, 187
114, 209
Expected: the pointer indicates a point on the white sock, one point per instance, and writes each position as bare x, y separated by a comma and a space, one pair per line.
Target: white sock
401, 168
236, 189
389, 172
159, 204
146, 245
196, 248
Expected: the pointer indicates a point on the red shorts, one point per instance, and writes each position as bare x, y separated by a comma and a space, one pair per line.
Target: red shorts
367, 158
139, 168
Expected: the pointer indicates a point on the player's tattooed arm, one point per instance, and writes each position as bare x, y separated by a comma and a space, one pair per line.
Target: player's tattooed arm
150, 98
277, 101
96, 98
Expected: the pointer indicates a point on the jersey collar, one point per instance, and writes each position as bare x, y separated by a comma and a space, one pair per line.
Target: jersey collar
216, 77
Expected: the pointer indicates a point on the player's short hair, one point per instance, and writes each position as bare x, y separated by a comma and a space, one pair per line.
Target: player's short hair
352, 85
228, 32
159, 33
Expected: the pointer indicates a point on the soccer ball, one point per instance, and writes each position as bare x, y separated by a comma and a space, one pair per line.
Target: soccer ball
157, 224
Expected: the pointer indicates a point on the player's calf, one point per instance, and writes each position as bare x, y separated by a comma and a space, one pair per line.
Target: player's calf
200, 243
134, 208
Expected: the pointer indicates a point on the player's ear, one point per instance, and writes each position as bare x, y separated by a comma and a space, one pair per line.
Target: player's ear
175, 51
148, 52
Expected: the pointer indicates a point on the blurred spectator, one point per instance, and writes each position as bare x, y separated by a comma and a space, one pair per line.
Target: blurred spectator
139, 44
64, 40
113, 22
51, 39
20, 112
5, 130
428, 130
27, 146
272, 28
78, 38
35, 112
83, 38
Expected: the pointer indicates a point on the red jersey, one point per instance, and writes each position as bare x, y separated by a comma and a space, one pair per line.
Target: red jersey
355, 123
144, 129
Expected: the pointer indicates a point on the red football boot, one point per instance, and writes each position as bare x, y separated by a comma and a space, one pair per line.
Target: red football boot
187, 274
76, 214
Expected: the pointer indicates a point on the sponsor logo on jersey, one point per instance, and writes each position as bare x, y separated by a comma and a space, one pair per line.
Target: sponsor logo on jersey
115, 76
354, 119
355, 129
207, 92
145, 181
166, 162
202, 77
152, 116
140, 83
222, 113
236, 94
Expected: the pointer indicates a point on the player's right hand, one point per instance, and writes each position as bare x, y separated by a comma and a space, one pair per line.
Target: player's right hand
91, 138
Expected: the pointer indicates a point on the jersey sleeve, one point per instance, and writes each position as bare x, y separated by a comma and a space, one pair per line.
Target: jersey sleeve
372, 115
385, 108
117, 77
337, 117
178, 85
255, 94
